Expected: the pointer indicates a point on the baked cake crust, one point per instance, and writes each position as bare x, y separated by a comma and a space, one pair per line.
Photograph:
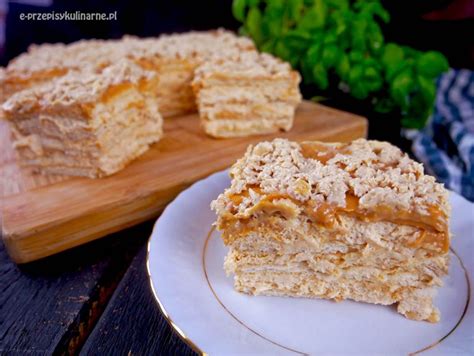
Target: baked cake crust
355, 220
246, 94
91, 124
172, 56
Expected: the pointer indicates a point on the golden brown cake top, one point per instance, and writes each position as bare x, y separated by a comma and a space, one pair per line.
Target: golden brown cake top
195, 44
248, 64
77, 88
372, 180
74, 56
100, 53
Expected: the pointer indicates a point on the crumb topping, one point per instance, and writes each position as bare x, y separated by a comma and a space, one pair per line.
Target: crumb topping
248, 64
376, 173
190, 45
76, 87
100, 53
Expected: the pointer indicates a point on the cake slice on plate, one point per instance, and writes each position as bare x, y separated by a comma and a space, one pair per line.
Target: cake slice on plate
89, 124
248, 94
356, 221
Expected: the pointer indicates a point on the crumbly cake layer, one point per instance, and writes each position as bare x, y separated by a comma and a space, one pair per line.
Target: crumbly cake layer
250, 94
415, 304
368, 179
94, 130
173, 58
354, 221
46, 62
174, 93
232, 81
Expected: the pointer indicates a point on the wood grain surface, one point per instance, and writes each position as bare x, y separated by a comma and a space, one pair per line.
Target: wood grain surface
50, 307
132, 323
43, 215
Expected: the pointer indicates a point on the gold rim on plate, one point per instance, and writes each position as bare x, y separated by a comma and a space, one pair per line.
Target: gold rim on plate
193, 345
163, 311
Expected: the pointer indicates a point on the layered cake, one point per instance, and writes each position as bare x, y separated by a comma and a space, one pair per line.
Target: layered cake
173, 57
46, 62
355, 220
89, 124
249, 94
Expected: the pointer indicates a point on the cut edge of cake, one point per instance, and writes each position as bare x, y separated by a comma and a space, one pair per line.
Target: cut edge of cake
355, 220
249, 94
92, 124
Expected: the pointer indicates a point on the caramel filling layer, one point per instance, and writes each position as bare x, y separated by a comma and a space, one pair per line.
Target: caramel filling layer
433, 225
322, 152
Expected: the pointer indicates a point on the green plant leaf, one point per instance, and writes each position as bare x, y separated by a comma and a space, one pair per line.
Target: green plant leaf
253, 24
431, 64
392, 54
272, 22
343, 67
243, 31
338, 22
338, 4
359, 33
238, 9
427, 89
330, 37
294, 9
330, 56
314, 17
357, 87
297, 40
411, 52
372, 79
282, 51
393, 69
418, 113
401, 87
268, 46
320, 76
356, 56
384, 105
359, 91
371, 9
313, 55
375, 38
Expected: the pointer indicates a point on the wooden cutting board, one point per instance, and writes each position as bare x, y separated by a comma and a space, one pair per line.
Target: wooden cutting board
43, 215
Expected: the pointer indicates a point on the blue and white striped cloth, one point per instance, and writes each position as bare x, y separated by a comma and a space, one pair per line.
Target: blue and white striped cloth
446, 144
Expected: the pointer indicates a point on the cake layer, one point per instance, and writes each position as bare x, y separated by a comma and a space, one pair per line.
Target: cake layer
414, 303
369, 263
357, 221
226, 128
368, 180
125, 138
257, 89
348, 231
256, 93
174, 56
90, 124
248, 111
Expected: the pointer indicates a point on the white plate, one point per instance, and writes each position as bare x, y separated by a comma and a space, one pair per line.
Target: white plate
185, 259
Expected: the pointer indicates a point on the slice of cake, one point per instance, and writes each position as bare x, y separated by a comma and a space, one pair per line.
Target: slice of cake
356, 221
248, 94
46, 62
91, 124
172, 57
175, 57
